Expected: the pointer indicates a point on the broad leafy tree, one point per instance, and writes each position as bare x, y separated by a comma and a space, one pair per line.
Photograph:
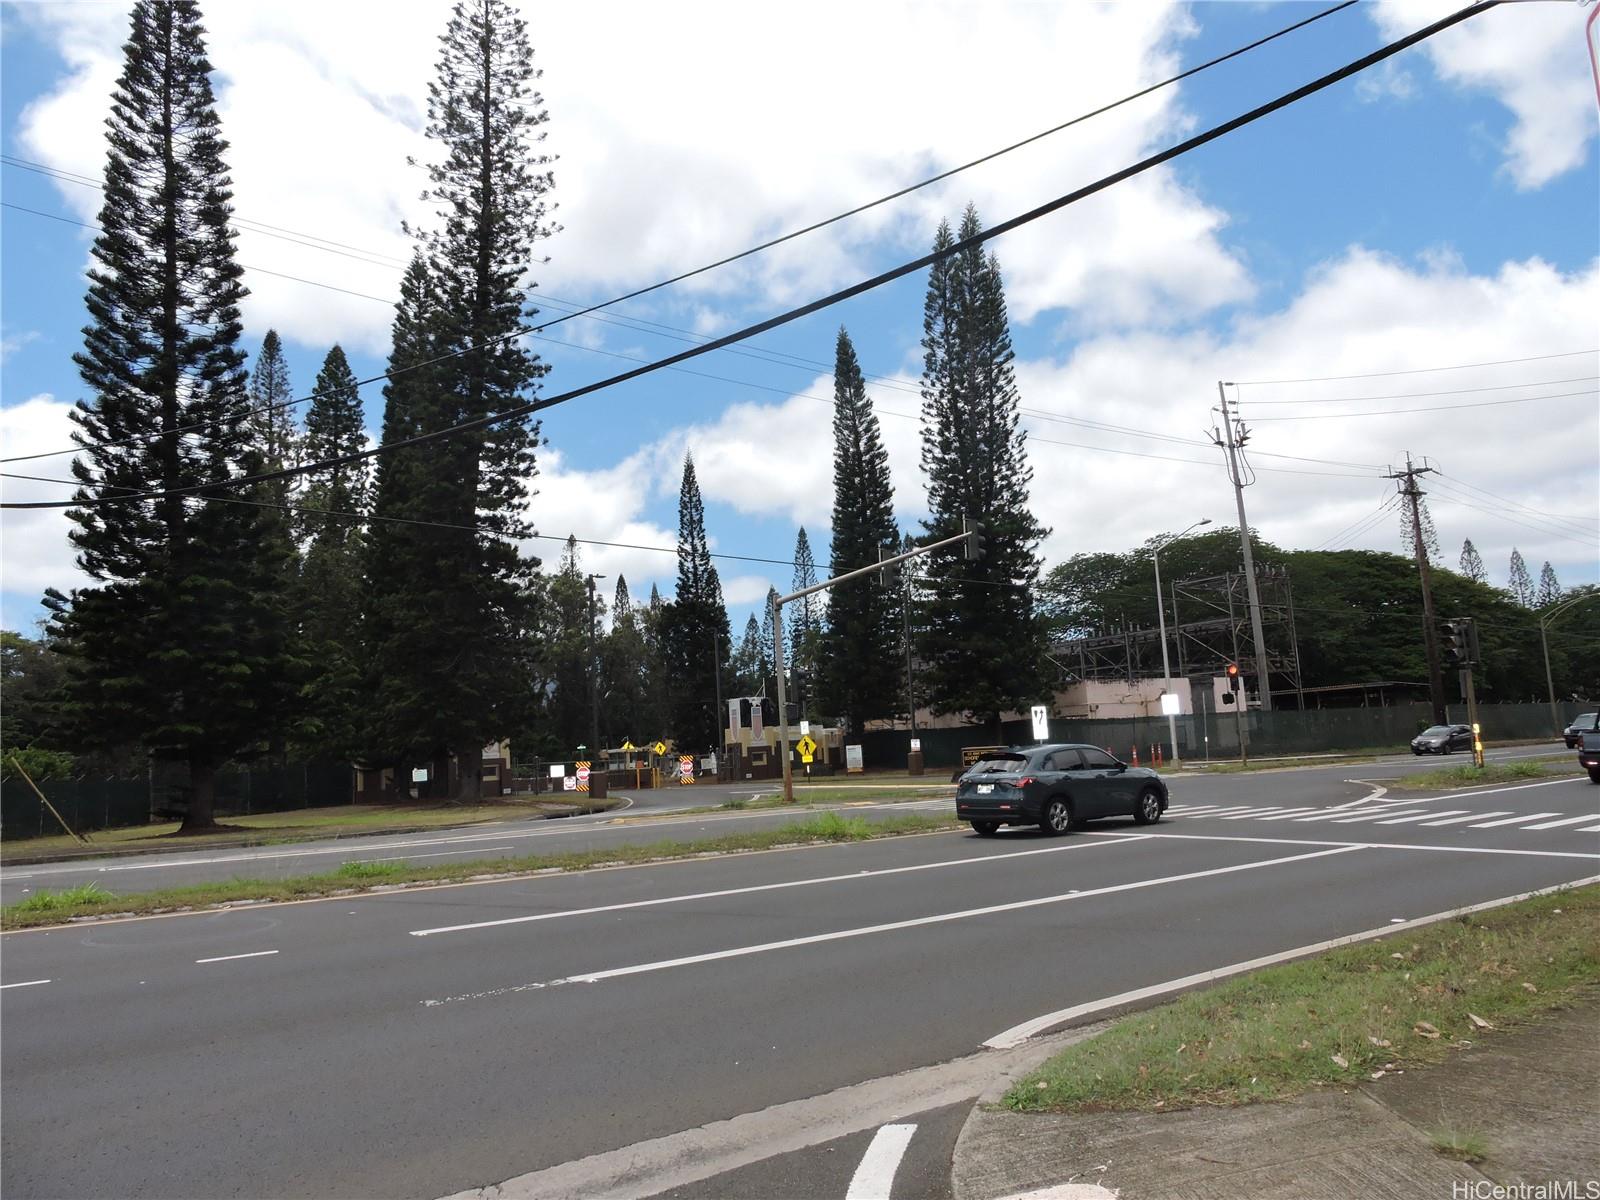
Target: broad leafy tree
860, 647
176, 643
980, 645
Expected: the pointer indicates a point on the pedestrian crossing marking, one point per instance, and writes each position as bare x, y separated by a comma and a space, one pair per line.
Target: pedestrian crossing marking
1558, 824
1373, 816
1424, 815
1468, 817
1513, 820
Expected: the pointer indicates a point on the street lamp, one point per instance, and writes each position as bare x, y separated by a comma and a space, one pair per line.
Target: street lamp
1549, 681
1161, 618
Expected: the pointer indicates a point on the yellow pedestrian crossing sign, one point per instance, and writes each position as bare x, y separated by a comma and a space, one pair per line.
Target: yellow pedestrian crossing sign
659, 747
807, 748
628, 745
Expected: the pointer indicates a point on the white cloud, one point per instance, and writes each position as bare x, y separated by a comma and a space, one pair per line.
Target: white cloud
34, 552
12, 342
1532, 58
602, 505
678, 144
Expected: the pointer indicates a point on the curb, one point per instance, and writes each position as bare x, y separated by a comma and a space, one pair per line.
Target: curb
247, 843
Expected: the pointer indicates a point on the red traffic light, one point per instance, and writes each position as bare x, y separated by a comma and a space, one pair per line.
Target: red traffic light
1233, 670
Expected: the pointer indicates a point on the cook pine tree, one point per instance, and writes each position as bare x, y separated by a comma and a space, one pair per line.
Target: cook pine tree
980, 642
1549, 587
1472, 563
860, 644
334, 502
805, 629
177, 640
474, 599
694, 628
1518, 582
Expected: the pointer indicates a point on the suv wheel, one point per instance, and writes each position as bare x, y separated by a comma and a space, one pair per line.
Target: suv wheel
986, 828
1148, 809
1057, 817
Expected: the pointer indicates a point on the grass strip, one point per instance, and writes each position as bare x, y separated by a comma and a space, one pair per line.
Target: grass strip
1342, 1017
1448, 778
57, 907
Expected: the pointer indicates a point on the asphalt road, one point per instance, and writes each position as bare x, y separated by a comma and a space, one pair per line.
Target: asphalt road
632, 824
417, 1043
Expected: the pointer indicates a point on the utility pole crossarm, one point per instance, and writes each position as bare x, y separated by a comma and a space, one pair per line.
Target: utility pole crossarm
873, 569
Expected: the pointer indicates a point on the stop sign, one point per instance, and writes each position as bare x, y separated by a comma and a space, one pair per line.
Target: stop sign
583, 774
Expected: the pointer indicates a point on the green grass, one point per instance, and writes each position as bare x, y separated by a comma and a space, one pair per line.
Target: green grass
299, 825
1446, 778
1460, 1144
1338, 1018
51, 908
47, 902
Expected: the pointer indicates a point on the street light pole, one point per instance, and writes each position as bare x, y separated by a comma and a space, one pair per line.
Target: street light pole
1544, 644
596, 754
1161, 620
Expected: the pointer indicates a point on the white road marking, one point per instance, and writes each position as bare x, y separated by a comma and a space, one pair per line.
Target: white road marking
1375, 797
773, 887
1471, 816
1283, 841
1590, 829
1517, 820
1018, 1034
1216, 810
435, 854
888, 927
1387, 812
1270, 814
875, 1176
25, 983
1424, 815
1473, 793
231, 957
1558, 824
1333, 813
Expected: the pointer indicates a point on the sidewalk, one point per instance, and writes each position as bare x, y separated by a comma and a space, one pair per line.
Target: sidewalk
1529, 1094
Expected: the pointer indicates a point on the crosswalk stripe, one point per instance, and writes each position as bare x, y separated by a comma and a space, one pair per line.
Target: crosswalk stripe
1267, 814
1331, 814
1373, 816
1590, 829
1423, 816
1458, 820
1512, 820
1558, 824
1212, 810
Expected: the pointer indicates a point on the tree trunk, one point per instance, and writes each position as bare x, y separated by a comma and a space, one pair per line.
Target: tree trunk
469, 773
202, 797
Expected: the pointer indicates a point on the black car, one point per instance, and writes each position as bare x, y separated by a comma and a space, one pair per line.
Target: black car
1589, 753
1585, 721
1442, 739
1056, 788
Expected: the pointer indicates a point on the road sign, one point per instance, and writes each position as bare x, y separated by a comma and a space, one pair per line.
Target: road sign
583, 774
685, 768
569, 783
1171, 706
1041, 722
807, 748
629, 746
805, 728
659, 747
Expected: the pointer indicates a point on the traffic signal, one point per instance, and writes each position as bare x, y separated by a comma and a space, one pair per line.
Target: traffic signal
1233, 677
977, 541
1458, 643
889, 573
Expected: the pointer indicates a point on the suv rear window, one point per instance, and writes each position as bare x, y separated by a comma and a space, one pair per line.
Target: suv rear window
995, 763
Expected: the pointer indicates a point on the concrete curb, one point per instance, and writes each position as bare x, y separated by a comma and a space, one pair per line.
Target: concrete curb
334, 836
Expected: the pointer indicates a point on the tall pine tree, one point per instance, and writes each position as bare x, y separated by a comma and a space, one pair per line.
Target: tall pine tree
980, 642
1518, 582
1549, 587
177, 644
805, 629
330, 580
769, 678
1472, 563
694, 628
489, 185
859, 647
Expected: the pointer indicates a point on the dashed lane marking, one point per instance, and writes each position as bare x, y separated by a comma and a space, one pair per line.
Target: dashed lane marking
231, 957
24, 983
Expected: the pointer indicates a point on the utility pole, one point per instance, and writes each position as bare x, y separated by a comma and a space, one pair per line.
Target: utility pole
597, 755
1233, 437
1430, 635
716, 673
911, 683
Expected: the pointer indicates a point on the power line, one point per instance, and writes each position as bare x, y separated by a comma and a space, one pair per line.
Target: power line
861, 208
856, 289
1570, 535
1400, 412
1493, 496
1501, 387
1415, 370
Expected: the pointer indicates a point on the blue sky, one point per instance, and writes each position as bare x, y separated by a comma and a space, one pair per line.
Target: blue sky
1440, 211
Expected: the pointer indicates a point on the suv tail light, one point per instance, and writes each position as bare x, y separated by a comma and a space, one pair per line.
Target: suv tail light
1025, 781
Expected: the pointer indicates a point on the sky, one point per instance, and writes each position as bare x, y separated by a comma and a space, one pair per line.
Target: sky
1407, 262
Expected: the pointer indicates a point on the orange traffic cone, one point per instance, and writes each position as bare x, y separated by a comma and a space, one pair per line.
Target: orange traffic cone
1136, 756
1160, 758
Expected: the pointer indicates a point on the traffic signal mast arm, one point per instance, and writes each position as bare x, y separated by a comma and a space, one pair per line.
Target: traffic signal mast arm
972, 529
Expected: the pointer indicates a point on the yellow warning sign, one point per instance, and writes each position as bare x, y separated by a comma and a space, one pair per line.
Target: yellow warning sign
807, 748
628, 745
659, 747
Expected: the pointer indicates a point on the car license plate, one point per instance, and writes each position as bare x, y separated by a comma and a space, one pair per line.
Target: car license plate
985, 788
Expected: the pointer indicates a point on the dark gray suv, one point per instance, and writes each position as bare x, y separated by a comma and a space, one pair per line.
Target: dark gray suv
1056, 788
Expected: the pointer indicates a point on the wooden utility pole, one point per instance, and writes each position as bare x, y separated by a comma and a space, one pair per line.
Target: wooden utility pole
1231, 439
1407, 479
